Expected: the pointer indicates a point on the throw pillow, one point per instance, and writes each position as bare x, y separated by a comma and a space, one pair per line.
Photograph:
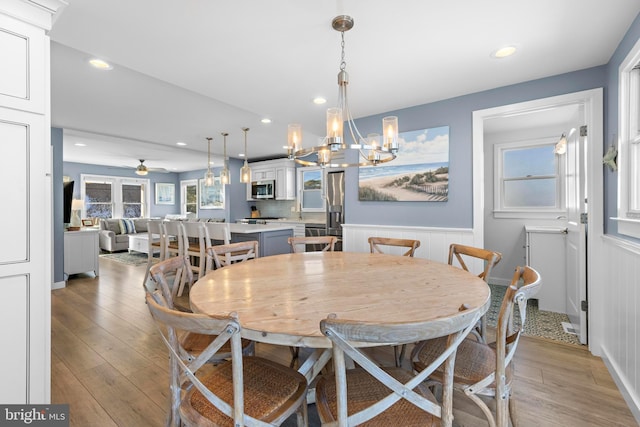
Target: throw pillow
127, 226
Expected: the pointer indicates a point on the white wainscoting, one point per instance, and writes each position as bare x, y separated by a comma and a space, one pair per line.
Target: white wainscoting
434, 241
621, 318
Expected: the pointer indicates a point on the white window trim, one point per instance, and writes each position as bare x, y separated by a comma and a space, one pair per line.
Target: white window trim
301, 187
183, 196
628, 220
116, 192
527, 213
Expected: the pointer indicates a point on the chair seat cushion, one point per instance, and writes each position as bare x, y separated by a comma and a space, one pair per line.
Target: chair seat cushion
363, 390
474, 360
268, 388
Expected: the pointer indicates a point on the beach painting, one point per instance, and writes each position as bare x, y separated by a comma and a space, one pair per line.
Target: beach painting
420, 173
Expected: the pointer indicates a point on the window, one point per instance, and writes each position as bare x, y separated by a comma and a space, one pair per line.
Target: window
311, 195
98, 201
114, 197
189, 196
629, 150
528, 180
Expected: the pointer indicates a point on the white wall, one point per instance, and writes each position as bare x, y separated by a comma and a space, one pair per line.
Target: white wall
620, 301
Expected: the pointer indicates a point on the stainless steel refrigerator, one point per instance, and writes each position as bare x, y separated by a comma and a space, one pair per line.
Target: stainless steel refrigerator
335, 205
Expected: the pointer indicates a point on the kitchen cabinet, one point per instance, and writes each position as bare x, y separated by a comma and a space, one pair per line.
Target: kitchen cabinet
298, 227
283, 171
271, 241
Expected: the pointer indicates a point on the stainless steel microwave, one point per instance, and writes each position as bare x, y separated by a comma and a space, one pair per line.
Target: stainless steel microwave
263, 189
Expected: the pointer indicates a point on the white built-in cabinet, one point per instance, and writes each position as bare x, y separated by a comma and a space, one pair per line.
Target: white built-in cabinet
25, 171
546, 252
81, 251
283, 171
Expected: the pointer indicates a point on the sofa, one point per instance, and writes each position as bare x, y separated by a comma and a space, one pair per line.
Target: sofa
114, 233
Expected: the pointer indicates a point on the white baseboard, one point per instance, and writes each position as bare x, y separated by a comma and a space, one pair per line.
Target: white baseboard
632, 400
58, 285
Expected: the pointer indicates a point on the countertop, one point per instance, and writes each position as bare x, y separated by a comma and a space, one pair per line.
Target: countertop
257, 228
290, 221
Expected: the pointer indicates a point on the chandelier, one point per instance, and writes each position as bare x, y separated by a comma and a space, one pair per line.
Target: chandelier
225, 177
371, 150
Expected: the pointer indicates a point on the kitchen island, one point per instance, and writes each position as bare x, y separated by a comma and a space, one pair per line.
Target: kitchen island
272, 238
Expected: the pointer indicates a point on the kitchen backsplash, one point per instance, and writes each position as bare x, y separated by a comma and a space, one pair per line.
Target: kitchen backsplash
282, 209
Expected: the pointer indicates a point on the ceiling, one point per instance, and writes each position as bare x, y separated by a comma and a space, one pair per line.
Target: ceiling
187, 70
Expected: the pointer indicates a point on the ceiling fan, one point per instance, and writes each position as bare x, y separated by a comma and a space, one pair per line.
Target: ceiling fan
142, 169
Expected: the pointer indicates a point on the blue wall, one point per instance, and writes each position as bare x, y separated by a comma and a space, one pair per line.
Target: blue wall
457, 114
57, 200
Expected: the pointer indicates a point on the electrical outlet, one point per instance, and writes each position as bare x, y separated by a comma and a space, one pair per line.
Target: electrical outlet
293, 208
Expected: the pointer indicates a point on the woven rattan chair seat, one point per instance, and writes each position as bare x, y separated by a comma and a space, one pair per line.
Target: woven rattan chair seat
196, 343
267, 385
474, 360
364, 390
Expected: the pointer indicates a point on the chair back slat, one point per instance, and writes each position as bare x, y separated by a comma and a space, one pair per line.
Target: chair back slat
224, 255
217, 232
347, 338
376, 244
459, 252
299, 244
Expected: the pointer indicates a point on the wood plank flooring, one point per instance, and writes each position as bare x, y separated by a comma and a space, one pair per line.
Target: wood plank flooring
109, 364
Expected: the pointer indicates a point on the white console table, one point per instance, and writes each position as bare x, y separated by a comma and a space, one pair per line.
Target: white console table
81, 251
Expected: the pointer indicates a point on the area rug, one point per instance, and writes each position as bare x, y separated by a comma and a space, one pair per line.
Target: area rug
134, 258
539, 323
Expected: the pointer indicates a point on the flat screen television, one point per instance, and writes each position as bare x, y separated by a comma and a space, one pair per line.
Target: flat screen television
68, 199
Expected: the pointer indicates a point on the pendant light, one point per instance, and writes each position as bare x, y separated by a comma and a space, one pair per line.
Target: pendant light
225, 176
208, 176
245, 172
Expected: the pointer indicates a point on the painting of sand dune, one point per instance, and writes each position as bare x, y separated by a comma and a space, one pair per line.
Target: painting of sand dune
420, 173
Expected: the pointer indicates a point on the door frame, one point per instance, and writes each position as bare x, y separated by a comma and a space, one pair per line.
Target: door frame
592, 101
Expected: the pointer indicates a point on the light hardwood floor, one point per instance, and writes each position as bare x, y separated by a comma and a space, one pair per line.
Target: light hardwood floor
110, 366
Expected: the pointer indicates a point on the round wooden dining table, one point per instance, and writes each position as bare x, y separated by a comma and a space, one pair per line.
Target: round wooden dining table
281, 299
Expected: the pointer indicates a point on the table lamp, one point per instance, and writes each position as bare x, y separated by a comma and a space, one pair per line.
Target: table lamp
76, 207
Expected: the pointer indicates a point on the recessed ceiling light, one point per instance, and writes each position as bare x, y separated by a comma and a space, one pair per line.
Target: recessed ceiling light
100, 64
80, 144
180, 143
241, 155
319, 100
266, 120
504, 51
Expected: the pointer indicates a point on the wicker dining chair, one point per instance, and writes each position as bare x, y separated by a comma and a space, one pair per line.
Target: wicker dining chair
223, 255
245, 391
457, 256
192, 344
485, 369
376, 243
387, 396
299, 244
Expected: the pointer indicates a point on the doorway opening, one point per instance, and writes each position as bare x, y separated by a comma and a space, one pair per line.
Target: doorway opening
544, 118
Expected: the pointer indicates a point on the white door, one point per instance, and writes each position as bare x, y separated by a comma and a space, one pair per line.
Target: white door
576, 242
